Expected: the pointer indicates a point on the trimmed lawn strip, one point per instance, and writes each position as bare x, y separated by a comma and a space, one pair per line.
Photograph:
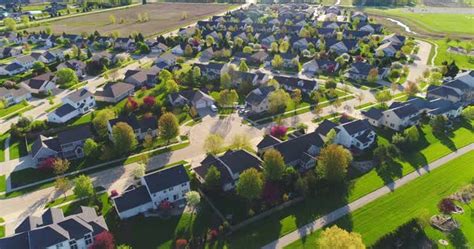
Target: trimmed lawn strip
387, 213
17, 148
2, 231
11, 109
289, 219
2, 146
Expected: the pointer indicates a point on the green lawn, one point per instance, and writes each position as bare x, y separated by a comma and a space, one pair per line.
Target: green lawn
410, 201
2, 146
3, 184
462, 61
2, 231
11, 109
87, 118
288, 220
431, 22
17, 149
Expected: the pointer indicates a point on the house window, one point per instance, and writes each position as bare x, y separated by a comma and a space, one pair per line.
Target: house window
73, 244
88, 239
183, 184
170, 189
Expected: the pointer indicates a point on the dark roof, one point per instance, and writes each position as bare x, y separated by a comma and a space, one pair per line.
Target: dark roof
13, 66
296, 82
256, 96
78, 133
294, 149
132, 198
64, 110
79, 95
360, 68
143, 124
52, 215
47, 236
267, 141
356, 126
38, 81
115, 90
373, 113
76, 227
166, 178
325, 126
405, 111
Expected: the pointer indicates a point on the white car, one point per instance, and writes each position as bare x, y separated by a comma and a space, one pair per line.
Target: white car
214, 108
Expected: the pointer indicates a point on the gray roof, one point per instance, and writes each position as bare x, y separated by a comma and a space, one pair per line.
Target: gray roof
115, 90
79, 95
258, 95
166, 178
64, 110
132, 198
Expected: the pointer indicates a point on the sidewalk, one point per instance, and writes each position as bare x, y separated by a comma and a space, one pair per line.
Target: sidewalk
342, 211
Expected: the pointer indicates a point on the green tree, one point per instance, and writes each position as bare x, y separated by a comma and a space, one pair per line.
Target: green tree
226, 80
9, 23
438, 124
209, 41
165, 75
188, 50
274, 47
213, 143
112, 19
66, 77
296, 97
83, 187
277, 61
278, 100
383, 97
373, 75
227, 97
139, 170
333, 162
212, 180
124, 138
273, 165
468, 113
62, 184
412, 134
250, 184
91, 148
193, 198
168, 126
101, 119
243, 66
60, 166
39, 67
337, 238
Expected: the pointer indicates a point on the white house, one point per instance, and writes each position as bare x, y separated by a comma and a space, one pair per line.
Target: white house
76, 103
167, 185
257, 100
196, 98
14, 96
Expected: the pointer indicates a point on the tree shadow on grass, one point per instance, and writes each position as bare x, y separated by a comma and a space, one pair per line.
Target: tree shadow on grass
389, 171
445, 139
458, 239
415, 159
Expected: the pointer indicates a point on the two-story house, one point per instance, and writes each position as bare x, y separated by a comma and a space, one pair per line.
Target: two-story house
114, 92
257, 100
41, 84
141, 127
14, 95
75, 104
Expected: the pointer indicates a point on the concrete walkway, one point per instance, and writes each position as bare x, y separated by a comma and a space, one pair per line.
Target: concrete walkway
6, 151
342, 211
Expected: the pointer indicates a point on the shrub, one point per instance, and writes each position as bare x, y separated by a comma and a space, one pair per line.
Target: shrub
446, 206
278, 131
113, 193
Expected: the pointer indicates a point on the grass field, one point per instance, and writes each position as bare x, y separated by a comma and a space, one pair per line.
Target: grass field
410, 201
17, 149
12, 109
162, 17
286, 221
463, 61
440, 23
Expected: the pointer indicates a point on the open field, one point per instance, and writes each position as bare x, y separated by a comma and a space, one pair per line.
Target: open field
162, 17
435, 24
462, 60
411, 201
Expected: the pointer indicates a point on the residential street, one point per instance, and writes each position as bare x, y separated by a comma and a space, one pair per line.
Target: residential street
340, 212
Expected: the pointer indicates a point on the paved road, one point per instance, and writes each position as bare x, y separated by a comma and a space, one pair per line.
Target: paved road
340, 212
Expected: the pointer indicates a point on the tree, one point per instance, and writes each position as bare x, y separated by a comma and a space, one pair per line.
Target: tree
39, 67
278, 100
171, 86
168, 126
165, 75
149, 101
131, 105
411, 89
330, 137
139, 170
385, 153
66, 77
193, 198
274, 47
188, 50
436, 78
296, 97
243, 66
227, 97
330, 84
373, 75
83, 187
383, 97
212, 180
278, 131
112, 19
91, 148
273, 165
209, 41
123, 138
284, 46
468, 113
213, 143
103, 240
241, 141
9, 23
101, 119
250, 184
60, 166
226, 80
337, 238
446, 206
333, 162
277, 61
412, 134
62, 185
438, 124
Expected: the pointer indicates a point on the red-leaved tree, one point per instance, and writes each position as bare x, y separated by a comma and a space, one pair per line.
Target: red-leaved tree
131, 105
271, 193
103, 240
47, 165
278, 131
446, 206
181, 243
113, 193
149, 101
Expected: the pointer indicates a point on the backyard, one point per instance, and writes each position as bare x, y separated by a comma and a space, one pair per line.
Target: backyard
163, 17
281, 223
408, 202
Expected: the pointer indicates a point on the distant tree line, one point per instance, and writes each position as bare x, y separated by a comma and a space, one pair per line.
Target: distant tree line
384, 2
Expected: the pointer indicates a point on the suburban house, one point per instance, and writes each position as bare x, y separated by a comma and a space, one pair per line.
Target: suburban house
124, 43
314, 67
394, 39
141, 127
361, 70
356, 135
67, 144
14, 95
76, 103
388, 49
343, 46
55, 230
291, 83
78, 66
166, 60
6, 52
167, 185
361, 16
211, 70
26, 61
142, 77
12, 69
231, 164
41, 84
195, 98
401, 115
458, 90
257, 100
114, 92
